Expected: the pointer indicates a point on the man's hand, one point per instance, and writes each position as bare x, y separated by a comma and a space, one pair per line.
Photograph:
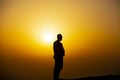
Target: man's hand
54, 56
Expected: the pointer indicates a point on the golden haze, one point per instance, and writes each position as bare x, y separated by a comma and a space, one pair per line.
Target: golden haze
90, 32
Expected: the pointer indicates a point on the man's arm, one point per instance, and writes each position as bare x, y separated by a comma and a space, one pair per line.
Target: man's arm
63, 51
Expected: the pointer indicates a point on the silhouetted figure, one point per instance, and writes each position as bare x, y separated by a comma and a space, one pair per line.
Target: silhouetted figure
59, 52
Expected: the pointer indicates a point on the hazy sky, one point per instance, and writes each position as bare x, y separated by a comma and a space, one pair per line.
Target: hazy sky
90, 29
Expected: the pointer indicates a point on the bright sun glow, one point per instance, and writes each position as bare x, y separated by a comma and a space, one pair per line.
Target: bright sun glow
45, 34
48, 37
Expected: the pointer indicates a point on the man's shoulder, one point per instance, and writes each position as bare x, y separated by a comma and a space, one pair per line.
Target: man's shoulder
54, 42
57, 42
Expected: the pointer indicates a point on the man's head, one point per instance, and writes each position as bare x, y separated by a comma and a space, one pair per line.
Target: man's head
59, 37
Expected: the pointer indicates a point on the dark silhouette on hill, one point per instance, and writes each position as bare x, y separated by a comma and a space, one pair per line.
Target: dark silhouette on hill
59, 52
107, 77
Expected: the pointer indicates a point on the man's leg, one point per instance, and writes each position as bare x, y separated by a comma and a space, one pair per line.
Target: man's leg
58, 67
56, 70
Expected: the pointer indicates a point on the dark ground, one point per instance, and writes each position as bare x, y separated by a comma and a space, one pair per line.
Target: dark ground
108, 77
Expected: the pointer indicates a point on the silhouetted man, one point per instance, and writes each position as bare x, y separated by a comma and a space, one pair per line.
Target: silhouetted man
59, 52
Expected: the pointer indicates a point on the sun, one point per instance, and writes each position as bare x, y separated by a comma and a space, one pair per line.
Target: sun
42, 36
48, 37
45, 34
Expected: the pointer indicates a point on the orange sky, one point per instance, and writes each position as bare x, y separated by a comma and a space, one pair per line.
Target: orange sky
90, 32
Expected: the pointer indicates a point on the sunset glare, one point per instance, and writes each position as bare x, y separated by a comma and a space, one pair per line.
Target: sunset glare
90, 35
48, 37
